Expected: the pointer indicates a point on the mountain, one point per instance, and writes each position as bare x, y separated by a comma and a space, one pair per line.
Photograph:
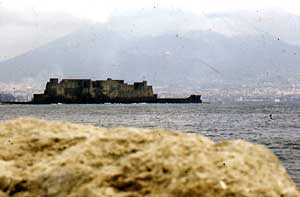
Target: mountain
193, 57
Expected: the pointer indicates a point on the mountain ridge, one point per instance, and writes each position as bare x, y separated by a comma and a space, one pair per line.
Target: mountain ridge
202, 57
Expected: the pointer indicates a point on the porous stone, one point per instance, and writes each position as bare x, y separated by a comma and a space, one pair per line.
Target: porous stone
41, 158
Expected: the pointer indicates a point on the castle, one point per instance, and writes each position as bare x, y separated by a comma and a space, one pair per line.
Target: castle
102, 91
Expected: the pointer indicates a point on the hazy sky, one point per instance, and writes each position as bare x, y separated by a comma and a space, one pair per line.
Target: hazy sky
26, 25
101, 10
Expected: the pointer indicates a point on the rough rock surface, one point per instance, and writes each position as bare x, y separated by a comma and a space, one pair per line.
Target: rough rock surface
40, 158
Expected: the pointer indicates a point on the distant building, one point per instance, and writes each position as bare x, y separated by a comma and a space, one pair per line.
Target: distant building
4, 97
101, 91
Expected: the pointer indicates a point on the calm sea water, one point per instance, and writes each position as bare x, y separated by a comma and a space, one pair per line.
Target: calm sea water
249, 121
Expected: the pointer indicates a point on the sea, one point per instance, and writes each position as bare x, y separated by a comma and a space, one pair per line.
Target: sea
276, 125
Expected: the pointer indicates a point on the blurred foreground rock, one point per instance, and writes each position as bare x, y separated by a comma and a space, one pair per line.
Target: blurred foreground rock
40, 158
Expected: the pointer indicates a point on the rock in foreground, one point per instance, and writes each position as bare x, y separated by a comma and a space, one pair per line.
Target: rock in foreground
40, 158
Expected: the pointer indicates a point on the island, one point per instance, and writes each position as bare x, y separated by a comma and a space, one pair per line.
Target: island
83, 91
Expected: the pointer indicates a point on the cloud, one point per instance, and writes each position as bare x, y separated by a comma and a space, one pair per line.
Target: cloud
23, 31
102, 9
26, 29
277, 23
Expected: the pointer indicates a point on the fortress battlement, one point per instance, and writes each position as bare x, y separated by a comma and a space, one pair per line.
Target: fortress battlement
102, 91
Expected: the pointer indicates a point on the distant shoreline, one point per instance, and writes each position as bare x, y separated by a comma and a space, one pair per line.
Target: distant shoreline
32, 103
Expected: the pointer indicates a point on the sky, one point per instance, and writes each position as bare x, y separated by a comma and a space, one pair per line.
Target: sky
101, 10
26, 25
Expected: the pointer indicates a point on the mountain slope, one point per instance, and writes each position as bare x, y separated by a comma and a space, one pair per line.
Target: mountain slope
185, 58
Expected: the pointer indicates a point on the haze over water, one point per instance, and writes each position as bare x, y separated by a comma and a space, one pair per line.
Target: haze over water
249, 121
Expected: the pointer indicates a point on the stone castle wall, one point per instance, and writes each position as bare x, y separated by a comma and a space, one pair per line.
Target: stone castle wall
81, 90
